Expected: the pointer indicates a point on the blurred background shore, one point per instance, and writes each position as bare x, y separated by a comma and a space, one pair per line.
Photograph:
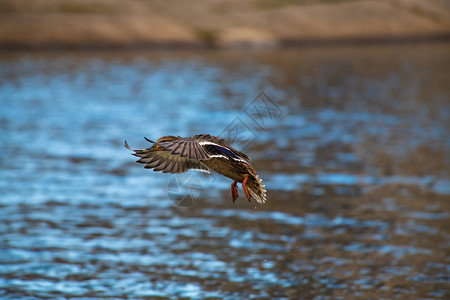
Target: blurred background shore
74, 24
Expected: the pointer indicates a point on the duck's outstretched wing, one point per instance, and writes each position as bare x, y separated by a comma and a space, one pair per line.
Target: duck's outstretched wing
189, 147
172, 157
203, 147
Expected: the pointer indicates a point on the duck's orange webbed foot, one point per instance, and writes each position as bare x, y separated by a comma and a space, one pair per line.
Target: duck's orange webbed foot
234, 192
244, 187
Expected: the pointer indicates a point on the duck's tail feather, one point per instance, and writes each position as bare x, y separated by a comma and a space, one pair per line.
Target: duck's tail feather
256, 188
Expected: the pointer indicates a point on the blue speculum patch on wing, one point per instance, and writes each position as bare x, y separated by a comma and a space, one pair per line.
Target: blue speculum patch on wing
215, 149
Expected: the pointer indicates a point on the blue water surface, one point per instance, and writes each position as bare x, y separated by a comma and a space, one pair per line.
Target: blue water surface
352, 144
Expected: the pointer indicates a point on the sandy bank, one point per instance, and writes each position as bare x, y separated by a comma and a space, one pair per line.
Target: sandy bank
205, 23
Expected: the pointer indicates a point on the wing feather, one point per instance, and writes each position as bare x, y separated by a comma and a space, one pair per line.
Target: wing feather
152, 164
174, 167
169, 167
177, 149
167, 161
187, 147
162, 166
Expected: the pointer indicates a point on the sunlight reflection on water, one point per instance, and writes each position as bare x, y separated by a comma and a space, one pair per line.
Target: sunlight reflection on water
355, 168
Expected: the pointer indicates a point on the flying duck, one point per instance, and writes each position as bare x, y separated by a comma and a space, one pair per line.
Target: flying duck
203, 152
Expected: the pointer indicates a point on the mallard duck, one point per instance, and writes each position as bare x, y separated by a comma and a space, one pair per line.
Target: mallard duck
203, 152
